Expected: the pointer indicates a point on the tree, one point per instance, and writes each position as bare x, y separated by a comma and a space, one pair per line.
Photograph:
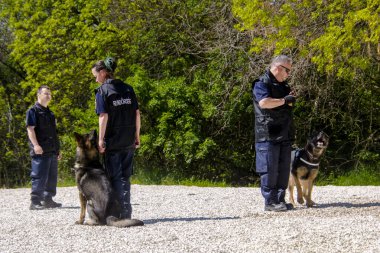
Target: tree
179, 58
13, 159
339, 40
191, 64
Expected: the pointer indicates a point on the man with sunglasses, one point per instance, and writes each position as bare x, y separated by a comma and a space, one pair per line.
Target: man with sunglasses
274, 132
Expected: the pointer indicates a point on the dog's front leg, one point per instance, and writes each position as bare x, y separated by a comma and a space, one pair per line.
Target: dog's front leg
291, 189
83, 203
310, 181
299, 189
309, 202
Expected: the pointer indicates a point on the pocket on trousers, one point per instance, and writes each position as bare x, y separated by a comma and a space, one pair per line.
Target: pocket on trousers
261, 159
36, 166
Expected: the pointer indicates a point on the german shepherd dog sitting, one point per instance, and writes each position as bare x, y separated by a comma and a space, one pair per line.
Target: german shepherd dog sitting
305, 167
95, 191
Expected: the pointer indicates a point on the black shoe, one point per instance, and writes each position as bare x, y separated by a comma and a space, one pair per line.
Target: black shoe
289, 206
36, 206
49, 203
276, 207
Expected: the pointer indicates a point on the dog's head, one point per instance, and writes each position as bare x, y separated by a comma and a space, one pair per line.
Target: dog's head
317, 144
87, 149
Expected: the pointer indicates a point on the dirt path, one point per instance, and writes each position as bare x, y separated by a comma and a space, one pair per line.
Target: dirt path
193, 219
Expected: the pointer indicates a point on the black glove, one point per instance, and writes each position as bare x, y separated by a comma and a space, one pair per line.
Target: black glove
289, 99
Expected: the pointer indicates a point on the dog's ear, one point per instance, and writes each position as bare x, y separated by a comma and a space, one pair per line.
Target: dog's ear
313, 133
325, 134
93, 135
78, 137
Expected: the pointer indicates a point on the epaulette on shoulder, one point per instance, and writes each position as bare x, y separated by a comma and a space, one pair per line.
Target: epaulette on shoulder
96, 90
265, 79
100, 90
254, 82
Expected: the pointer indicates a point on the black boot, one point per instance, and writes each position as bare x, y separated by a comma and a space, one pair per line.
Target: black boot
36, 205
275, 207
50, 203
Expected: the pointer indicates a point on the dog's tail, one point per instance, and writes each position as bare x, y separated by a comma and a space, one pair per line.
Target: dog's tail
123, 223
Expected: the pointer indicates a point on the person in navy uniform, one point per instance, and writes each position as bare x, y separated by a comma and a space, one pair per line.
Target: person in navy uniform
119, 129
44, 150
274, 132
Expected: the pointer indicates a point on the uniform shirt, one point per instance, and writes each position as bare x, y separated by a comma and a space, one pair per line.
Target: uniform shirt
262, 91
119, 101
273, 124
31, 119
101, 105
45, 131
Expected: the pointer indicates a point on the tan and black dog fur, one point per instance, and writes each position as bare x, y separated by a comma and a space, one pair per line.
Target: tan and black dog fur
305, 167
95, 191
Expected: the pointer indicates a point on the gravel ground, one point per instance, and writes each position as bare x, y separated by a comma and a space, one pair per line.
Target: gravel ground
194, 219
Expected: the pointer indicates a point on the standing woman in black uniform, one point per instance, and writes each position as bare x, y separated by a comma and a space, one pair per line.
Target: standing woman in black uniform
119, 129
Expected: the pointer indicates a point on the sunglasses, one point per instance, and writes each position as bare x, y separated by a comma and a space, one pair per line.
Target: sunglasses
287, 70
45, 93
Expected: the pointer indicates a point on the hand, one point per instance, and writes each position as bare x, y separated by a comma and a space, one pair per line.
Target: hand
38, 150
293, 93
102, 146
290, 99
137, 142
59, 157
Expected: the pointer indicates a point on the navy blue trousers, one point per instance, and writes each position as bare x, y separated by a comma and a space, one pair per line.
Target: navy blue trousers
119, 167
273, 166
44, 176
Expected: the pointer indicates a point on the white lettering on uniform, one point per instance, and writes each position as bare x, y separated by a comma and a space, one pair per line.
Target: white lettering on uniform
123, 101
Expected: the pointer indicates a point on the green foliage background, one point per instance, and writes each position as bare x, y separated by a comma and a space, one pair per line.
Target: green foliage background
191, 63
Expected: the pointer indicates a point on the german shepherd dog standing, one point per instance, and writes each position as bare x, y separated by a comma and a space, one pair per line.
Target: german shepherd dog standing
305, 167
95, 191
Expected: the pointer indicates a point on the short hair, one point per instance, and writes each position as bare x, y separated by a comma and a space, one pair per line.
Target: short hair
281, 59
42, 87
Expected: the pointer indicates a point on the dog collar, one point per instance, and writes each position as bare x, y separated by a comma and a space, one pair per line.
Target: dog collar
309, 163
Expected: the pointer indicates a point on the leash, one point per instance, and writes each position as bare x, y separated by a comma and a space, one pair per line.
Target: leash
103, 161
